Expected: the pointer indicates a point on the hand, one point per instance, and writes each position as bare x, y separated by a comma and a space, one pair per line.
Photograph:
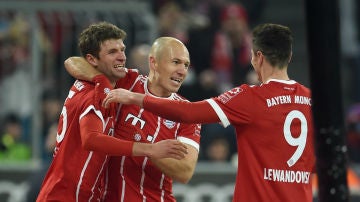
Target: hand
102, 88
120, 95
168, 149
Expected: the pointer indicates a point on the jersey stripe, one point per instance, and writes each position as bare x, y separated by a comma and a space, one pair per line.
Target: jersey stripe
190, 142
223, 118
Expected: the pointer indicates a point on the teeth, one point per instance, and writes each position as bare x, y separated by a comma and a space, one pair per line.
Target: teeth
118, 66
177, 80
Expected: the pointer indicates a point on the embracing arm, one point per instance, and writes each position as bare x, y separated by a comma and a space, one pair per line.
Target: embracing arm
79, 68
179, 170
176, 110
93, 139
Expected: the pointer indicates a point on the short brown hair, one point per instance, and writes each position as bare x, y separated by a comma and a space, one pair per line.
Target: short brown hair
91, 38
275, 42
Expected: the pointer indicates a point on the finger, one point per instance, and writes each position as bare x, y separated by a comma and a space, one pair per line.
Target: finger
181, 147
106, 102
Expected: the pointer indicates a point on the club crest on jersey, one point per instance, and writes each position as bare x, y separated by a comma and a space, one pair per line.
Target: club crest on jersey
169, 124
106, 90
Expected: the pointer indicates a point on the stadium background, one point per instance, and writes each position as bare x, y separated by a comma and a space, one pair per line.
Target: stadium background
44, 27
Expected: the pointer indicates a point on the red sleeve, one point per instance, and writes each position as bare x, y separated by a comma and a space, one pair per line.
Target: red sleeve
93, 139
181, 111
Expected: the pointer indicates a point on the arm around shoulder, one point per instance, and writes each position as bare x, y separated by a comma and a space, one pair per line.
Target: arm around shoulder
79, 68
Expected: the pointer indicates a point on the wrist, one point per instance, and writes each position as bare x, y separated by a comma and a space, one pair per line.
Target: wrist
142, 149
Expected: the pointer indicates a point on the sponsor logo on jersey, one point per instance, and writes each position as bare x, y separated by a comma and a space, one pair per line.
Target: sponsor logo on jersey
225, 97
79, 85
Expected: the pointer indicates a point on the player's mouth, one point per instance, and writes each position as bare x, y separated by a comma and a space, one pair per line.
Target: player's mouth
119, 66
177, 80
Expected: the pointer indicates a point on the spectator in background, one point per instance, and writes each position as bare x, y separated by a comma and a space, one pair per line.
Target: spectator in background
231, 50
11, 146
200, 87
51, 109
35, 179
138, 58
218, 143
172, 21
223, 45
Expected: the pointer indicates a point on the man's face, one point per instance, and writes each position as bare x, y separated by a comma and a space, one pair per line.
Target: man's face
112, 59
170, 70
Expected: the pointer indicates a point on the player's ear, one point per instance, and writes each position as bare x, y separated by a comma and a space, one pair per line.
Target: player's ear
152, 63
91, 59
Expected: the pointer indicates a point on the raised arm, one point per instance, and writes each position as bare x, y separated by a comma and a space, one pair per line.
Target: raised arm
79, 68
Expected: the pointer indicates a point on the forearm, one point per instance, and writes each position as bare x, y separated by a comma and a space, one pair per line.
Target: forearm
181, 111
179, 170
79, 68
108, 145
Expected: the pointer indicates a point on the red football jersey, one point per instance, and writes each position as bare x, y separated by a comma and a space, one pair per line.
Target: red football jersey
274, 129
136, 178
75, 173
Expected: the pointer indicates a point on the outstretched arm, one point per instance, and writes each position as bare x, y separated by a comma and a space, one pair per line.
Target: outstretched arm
79, 68
176, 110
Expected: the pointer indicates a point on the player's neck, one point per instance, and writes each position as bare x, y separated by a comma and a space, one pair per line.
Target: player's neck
156, 90
275, 73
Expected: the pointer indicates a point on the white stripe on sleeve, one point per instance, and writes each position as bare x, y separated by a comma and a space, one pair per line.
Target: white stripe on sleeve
223, 118
189, 142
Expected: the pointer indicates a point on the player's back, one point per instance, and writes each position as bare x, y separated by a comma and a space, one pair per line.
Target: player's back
274, 130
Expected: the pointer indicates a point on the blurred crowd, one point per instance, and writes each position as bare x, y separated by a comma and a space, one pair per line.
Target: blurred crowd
216, 32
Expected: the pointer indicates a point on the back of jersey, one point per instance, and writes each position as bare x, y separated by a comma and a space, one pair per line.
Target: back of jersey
274, 130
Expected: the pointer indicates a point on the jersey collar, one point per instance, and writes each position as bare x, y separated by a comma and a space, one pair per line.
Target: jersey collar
281, 81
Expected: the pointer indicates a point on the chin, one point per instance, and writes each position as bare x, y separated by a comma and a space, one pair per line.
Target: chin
120, 74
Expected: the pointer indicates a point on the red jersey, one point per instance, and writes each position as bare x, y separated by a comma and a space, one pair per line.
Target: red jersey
274, 129
75, 173
136, 178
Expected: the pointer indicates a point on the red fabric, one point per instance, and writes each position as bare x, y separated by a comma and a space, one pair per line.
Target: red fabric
133, 178
92, 139
274, 132
201, 112
102, 88
75, 172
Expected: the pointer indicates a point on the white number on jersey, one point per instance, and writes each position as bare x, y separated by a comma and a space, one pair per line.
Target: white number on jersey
63, 116
300, 141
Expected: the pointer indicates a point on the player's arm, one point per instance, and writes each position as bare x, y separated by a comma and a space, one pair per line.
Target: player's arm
179, 170
79, 68
176, 110
93, 139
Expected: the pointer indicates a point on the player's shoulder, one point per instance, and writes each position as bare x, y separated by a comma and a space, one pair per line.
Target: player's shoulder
132, 74
176, 96
81, 92
82, 86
